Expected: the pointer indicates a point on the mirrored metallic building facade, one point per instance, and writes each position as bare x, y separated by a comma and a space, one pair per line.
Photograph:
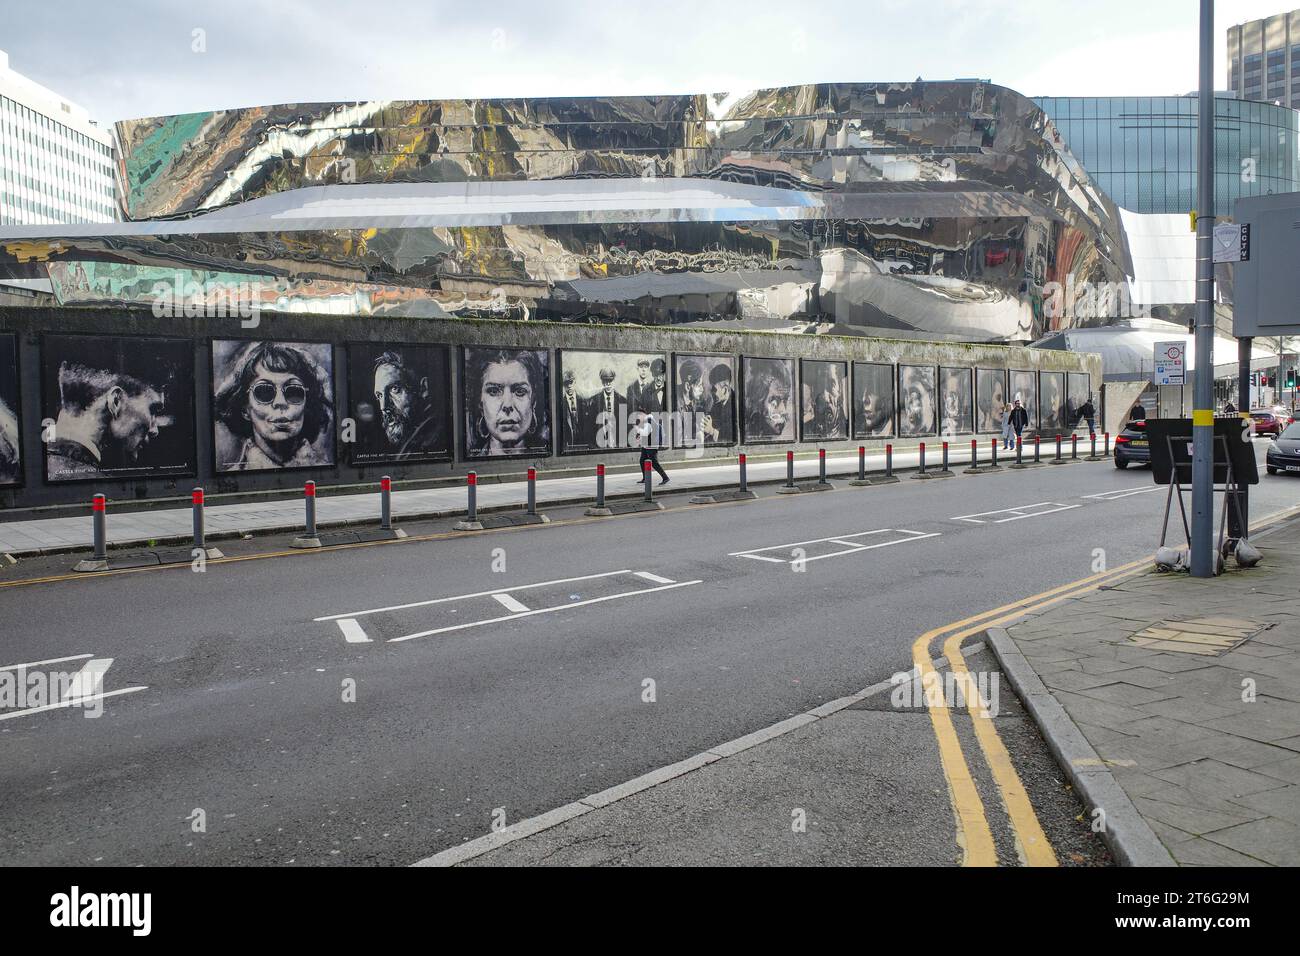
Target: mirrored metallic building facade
936, 210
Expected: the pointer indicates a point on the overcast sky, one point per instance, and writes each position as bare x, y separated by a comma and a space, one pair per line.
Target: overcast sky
132, 58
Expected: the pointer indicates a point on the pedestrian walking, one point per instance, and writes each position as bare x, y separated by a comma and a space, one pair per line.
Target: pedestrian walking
1089, 414
650, 435
1008, 434
1019, 418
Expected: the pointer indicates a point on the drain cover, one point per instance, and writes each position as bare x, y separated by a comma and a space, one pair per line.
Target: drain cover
1207, 636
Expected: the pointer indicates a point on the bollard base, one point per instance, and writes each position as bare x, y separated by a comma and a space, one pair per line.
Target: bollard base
715, 497
468, 526
1063, 461
302, 541
90, 565
861, 483
212, 553
1093, 458
788, 490
923, 475
981, 469
594, 512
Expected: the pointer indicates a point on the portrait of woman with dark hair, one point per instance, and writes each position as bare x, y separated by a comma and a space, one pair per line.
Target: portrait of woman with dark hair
769, 387
507, 402
272, 405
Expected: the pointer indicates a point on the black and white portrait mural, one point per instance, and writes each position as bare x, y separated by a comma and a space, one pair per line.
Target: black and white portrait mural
990, 399
272, 405
11, 460
603, 395
956, 412
704, 405
1078, 389
873, 400
117, 407
400, 401
506, 401
1024, 389
768, 392
916, 396
824, 400
1051, 396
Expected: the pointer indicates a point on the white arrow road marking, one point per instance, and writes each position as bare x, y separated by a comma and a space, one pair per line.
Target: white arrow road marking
89, 681
86, 686
353, 633
52, 660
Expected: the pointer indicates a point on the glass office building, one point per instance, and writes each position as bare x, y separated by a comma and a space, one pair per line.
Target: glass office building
1142, 149
1264, 59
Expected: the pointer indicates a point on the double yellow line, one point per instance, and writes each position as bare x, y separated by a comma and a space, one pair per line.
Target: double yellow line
974, 834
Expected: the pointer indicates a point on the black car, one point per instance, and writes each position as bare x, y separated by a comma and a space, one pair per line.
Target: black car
1284, 454
1132, 446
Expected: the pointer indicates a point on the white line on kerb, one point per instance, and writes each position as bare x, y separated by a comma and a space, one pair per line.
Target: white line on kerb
544, 610
510, 604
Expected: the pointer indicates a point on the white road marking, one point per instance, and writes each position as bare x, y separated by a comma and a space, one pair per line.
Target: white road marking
653, 577
70, 702
510, 604
845, 540
462, 597
1112, 495
1021, 511
544, 610
89, 681
52, 660
353, 632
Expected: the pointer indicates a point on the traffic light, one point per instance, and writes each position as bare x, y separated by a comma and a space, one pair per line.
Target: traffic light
1290, 378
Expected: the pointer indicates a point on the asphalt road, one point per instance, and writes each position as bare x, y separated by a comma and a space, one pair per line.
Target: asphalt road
243, 715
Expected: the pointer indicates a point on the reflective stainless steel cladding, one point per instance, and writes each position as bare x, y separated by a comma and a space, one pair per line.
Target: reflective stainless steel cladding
920, 209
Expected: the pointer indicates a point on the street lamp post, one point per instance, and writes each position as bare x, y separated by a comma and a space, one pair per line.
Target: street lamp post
1203, 556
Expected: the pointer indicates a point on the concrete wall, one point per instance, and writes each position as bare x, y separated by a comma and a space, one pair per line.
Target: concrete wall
31, 323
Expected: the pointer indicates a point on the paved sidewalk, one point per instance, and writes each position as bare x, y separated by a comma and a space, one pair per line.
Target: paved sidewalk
138, 527
1188, 692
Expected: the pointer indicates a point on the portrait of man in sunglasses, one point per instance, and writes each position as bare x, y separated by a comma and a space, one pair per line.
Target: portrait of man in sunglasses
274, 405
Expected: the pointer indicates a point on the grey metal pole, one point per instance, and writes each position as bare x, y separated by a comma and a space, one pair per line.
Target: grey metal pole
309, 497
862, 463
1105, 451
974, 453
922, 461
99, 522
1203, 556
821, 465
1058, 447
744, 478
945, 457
600, 485
994, 443
1037, 450
649, 484
1074, 447
889, 460
532, 491
386, 503
1019, 451
471, 484
789, 469
200, 537
1240, 528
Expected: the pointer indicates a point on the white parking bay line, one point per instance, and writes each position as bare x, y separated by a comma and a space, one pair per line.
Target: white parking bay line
653, 577
848, 542
353, 632
510, 604
52, 660
1112, 495
1015, 514
543, 610
70, 702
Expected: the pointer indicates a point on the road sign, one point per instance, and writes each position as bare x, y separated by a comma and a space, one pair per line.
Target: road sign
1170, 362
1232, 242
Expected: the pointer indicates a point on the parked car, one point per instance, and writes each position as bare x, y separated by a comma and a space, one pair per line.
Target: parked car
1132, 446
1284, 454
1266, 422
1283, 414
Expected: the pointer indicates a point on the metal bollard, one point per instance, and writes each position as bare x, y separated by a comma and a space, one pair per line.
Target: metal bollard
1074, 447
309, 498
974, 453
600, 485
1019, 450
200, 537
995, 442
532, 491
821, 465
99, 521
1106, 447
385, 503
789, 469
744, 478
1058, 447
1092, 444
862, 463
1037, 450
649, 484
922, 468
471, 484
945, 457
889, 461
